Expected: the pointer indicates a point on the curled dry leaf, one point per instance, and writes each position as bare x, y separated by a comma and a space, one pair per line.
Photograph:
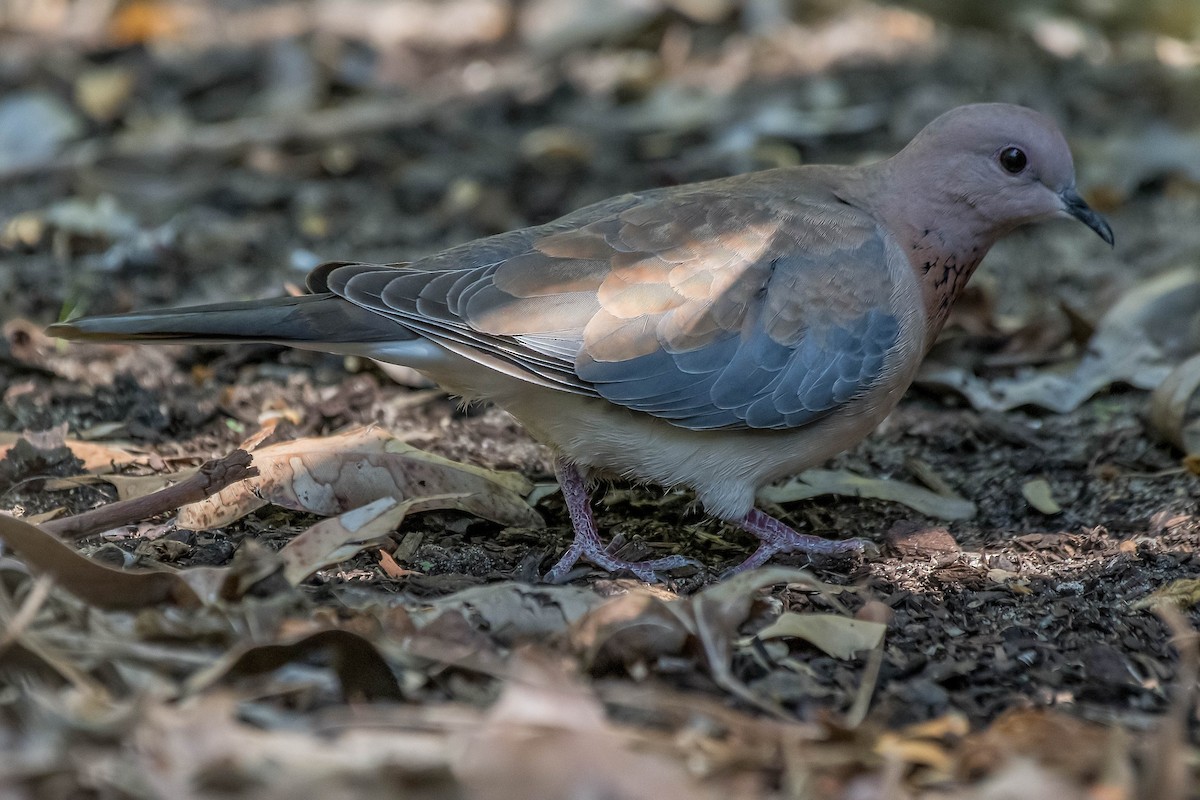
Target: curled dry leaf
719, 611
1150, 328
90, 581
643, 626
840, 637
817, 482
629, 629
511, 612
334, 474
361, 669
333, 540
1170, 404
556, 730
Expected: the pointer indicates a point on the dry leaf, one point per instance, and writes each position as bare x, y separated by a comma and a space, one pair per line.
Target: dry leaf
1135, 343
630, 629
1039, 495
1170, 403
1089, 754
363, 673
335, 474
840, 637
391, 568
719, 611
94, 455
1182, 593
817, 482
333, 540
547, 738
512, 612
93, 582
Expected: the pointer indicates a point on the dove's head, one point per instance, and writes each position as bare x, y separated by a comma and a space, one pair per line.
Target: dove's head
1008, 164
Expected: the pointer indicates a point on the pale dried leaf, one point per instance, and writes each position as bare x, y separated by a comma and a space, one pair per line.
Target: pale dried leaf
1170, 403
817, 482
332, 475
548, 738
339, 538
1040, 496
1136, 342
511, 611
840, 637
130, 487
719, 610
94, 455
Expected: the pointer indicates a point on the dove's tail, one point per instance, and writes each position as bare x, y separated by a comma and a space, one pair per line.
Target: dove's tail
313, 322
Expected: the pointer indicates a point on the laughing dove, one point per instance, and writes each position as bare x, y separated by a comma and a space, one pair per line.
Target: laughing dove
716, 335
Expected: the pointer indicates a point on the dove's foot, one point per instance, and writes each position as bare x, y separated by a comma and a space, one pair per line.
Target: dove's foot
779, 538
587, 544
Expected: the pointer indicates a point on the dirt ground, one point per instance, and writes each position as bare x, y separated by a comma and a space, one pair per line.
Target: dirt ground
214, 152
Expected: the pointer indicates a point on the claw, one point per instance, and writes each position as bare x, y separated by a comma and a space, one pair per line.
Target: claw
587, 542
778, 538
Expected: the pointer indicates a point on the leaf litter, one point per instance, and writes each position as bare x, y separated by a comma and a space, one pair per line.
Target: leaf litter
1002, 655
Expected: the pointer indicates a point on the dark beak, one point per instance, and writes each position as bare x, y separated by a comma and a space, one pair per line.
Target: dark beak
1074, 205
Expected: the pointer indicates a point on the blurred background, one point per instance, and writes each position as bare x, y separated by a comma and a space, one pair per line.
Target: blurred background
160, 151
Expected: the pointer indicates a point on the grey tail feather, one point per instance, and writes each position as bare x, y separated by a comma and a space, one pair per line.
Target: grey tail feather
312, 318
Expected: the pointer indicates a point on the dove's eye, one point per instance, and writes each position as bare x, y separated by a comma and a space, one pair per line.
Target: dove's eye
1013, 159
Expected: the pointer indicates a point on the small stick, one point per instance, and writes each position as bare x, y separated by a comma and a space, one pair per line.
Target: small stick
214, 476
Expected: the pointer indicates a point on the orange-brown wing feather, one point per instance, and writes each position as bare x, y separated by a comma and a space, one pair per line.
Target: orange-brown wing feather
730, 304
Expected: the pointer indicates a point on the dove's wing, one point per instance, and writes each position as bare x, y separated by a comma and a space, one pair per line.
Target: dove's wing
711, 308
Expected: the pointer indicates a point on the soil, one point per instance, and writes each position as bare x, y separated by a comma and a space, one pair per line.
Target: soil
1012, 608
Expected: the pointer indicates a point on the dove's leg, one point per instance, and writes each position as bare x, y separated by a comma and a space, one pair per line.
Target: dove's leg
587, 542
779, 538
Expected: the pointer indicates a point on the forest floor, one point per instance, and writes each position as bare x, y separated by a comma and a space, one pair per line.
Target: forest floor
213, 152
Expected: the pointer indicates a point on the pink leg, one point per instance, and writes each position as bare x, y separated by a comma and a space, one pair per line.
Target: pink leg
779, 538
587, 542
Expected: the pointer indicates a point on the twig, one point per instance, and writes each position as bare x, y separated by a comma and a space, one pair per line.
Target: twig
212, 478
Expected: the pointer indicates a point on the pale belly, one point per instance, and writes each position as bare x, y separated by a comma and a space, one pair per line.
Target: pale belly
725, 468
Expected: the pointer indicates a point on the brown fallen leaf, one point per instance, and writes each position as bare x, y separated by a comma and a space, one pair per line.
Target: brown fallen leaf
555, 729
915, 540
629, 629
94, 455
1090, 754
334, 474
211, 478
89, 580
360, 668
391, 568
